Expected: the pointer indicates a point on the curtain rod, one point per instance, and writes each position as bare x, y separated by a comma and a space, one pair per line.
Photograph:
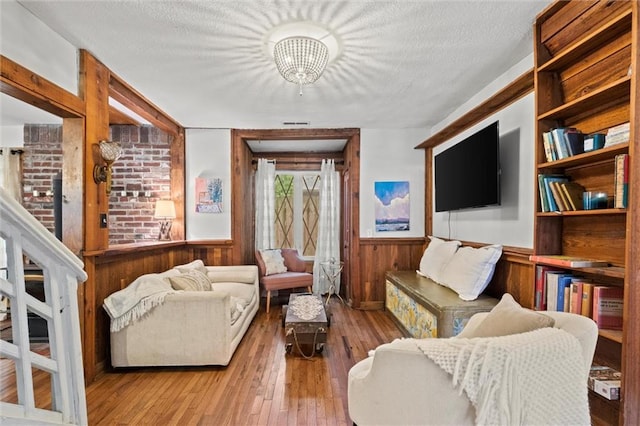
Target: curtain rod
13, 151
309, 161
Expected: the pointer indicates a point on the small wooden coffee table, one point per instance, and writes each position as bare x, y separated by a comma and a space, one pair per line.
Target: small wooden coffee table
305, 323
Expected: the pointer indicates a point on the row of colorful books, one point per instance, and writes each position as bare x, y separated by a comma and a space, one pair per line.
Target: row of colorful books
558, 193
605, 381
563, 142
559, 290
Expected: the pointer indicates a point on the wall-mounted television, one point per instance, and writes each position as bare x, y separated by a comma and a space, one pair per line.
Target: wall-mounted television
467, 175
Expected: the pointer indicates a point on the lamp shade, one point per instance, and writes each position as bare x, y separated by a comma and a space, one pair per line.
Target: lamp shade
165, 209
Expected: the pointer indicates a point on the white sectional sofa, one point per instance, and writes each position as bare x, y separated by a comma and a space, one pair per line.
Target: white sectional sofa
183, 327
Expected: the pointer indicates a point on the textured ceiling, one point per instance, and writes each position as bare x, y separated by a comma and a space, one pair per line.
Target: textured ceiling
402, 64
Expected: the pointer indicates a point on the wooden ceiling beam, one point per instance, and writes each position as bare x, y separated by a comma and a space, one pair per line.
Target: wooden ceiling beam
292, 134
27, 86
118, 117
136, 102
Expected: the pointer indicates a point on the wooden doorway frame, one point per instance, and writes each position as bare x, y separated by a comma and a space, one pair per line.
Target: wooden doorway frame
242, 226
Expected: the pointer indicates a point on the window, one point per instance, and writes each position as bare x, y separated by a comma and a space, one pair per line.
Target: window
296, 218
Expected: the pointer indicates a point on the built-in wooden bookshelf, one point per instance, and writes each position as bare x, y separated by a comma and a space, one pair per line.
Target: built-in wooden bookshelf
585, 74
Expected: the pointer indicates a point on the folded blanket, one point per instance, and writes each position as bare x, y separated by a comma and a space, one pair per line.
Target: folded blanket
136, 300
534, 378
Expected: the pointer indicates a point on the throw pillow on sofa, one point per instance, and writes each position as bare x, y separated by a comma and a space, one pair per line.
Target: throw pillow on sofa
506, 318
436, 256
273, 261
470, 269
197, 264
192, 280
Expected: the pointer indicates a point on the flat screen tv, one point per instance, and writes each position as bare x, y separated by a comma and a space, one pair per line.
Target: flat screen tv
467, 175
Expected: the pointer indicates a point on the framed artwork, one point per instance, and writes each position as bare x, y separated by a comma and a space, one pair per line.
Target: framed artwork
208, 195
392, 206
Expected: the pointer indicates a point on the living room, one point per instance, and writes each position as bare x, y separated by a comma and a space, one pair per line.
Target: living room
219, 239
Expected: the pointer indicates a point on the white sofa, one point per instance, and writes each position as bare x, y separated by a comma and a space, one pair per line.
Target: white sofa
192, 327
399, 385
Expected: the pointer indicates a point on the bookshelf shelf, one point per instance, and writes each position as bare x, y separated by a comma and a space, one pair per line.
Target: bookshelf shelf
613, 335
617, 92
607, 32
584, 54
597, 212
587, 158
604, 271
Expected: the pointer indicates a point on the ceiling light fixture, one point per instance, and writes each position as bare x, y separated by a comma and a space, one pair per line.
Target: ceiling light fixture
300, 60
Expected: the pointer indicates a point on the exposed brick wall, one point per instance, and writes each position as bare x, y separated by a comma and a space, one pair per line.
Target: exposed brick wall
145, 165
41, 161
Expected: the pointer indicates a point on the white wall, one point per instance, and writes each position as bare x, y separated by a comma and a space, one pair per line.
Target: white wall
12, 136
389, 155
28, 41
511, 223
208, 154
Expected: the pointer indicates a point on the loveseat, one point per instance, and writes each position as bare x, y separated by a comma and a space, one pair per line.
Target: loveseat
173, 324
398, 384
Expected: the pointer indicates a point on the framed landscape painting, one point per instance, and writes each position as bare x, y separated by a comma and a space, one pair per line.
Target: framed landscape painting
392, 206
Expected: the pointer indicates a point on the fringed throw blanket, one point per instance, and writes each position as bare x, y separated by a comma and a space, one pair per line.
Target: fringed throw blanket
136, 300
534, 378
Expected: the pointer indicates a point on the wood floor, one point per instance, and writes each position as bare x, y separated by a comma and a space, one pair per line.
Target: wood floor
262, 385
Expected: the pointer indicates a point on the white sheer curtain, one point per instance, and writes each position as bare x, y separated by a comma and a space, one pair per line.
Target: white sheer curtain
328, 244
265, 204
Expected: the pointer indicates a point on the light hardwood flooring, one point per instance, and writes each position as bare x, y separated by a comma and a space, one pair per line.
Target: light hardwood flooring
263, 385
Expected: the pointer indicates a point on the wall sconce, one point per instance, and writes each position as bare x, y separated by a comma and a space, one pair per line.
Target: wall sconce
166, 212
110, 152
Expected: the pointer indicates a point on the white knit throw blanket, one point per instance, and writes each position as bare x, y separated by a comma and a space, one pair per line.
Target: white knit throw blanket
534, 378
136, 300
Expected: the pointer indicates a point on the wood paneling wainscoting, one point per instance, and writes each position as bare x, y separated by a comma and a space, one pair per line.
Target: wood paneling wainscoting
513, 271
377, 256
115, 268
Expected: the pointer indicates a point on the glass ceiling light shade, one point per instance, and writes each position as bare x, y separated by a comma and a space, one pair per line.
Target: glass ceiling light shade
300, 60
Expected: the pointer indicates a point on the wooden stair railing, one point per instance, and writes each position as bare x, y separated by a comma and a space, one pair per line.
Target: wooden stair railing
24, 236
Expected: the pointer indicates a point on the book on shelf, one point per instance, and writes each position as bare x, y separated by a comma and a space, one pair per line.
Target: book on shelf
558, 196
559, 142
549, 149
574, 139
621, 194
547, 180
575, 297
617, 134
605, 381
567, 261
540, 302
607, 307
573, 192
587, 299
564, 293
542, 193
552, 278
594, 141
